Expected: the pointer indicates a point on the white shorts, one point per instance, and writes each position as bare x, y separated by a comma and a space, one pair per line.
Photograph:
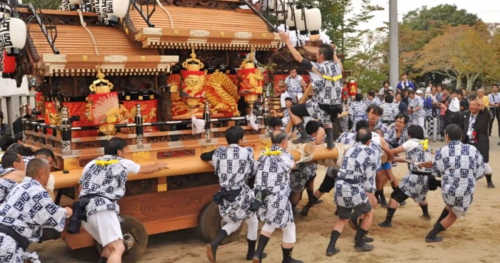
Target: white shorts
104, 227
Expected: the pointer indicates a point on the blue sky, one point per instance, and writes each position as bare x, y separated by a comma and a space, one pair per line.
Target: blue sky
487, 10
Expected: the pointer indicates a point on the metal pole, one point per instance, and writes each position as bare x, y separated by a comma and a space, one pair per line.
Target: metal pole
393, 43
207, 122
139, 129
65, 130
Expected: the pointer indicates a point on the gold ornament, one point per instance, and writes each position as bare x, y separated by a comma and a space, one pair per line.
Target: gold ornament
101, 85
193, 64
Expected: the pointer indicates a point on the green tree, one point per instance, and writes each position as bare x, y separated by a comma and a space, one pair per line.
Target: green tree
461, 52
422, 25
341, 21
44, 4
367, 64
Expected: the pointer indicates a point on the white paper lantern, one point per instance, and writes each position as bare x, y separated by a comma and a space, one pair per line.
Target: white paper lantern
289, 18
300, 20
100, 8
4, 10
13, 33
282, 6
313, 20
271, 5
118, 8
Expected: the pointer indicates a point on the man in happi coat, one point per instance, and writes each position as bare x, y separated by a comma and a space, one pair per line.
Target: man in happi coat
346, 138
460, 165
272, 182
12, 174
390, 110
416, 109
355, 183
357, 110
102, 185
415, 184
27, 210
326, 81
304, 174
384, 172
234, 166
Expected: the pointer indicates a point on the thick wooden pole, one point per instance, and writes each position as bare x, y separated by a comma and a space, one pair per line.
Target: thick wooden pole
303, 100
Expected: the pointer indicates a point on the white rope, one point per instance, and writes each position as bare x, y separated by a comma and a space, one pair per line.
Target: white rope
166, 12
88, 31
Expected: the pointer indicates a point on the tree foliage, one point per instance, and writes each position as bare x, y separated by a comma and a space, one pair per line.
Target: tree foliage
367, 64
341, 21
462, 52
424, 19
422, 26
44, 4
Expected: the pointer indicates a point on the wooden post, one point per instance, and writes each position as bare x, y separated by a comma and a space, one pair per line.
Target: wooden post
303, 100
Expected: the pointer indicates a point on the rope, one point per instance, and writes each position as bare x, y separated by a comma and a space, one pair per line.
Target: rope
166, 12
88, 31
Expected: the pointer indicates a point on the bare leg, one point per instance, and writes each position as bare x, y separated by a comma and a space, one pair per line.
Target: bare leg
116, 249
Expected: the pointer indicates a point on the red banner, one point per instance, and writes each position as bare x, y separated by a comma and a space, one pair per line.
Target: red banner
80, 109
193, 83
149, 112
105, 108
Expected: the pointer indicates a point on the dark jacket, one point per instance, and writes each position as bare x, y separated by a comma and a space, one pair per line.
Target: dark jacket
5, 130
17, 125
482, 141
403, 108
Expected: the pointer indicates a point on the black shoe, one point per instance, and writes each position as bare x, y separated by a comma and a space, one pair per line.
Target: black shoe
434, 239
385, 224
251, 249
312, 202
331, 250
287, 256
359, 243
426, 217
368, 239
259, 253
383, 203
304, 137
212, 247
364, 247
491, 185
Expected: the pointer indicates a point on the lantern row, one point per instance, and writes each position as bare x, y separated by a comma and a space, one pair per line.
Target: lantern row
296, 15
109, 11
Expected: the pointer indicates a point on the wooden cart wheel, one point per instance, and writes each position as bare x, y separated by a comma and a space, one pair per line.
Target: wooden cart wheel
135, 239
210, 222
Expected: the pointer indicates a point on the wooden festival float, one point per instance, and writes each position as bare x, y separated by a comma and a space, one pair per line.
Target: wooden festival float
169, 77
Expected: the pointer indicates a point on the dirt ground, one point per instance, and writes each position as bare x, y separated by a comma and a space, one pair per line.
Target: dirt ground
474, 238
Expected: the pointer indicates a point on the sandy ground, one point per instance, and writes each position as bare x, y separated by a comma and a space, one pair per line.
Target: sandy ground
472, 239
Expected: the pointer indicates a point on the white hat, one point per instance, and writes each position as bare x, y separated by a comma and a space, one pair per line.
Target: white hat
419, 92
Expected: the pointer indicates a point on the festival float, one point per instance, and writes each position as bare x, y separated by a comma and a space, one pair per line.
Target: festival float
169, 77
